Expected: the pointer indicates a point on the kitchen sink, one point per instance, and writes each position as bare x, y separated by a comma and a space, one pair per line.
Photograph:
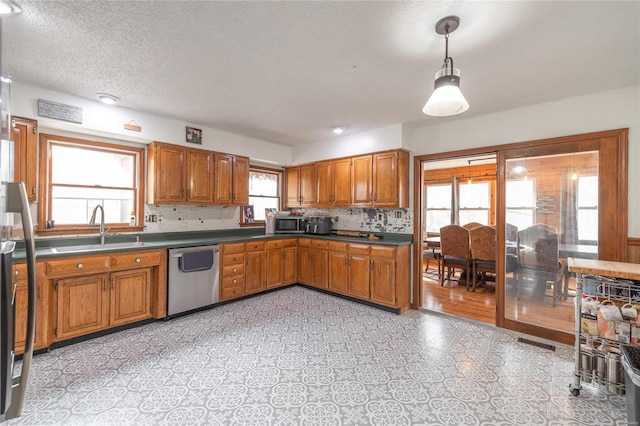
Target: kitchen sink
96, 247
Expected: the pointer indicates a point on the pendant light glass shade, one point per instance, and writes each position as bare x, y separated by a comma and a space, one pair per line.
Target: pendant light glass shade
446, 99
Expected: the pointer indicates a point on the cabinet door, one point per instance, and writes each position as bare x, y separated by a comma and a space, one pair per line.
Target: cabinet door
254, 272
308, 185
24, 134
324, 175
320, 266
289, 265
130, 296
338, 271
273, 268
385, 179
383, 281
359, 267
200, 180
341, 182
223, 191
292, 186
361, 175
240, 193
169, 173
82, 306
305, 262
21, 301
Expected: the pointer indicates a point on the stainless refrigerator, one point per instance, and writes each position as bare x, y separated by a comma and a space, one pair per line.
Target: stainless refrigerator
13, 199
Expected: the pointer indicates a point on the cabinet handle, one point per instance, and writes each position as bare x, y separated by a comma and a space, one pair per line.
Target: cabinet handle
235, 270
17, 273
33, 190
234, 281
80, 265
138, 260
113, 283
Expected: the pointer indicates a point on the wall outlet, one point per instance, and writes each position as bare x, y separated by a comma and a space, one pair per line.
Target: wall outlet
399, 215
379, 216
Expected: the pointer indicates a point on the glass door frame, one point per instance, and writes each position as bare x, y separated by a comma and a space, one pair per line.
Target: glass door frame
612, 146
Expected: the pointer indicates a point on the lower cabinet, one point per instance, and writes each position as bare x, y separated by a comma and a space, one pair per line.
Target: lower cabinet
254, 270
93, 293
313, 262
232, 271
349, 266
82, 306
281, 262
41, 338
130, 296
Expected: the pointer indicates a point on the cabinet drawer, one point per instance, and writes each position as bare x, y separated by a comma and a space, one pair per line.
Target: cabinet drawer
232, 248
81, 265
337, 246
19, 272
232, 259
321, 244
128, 260
231, 291
383, 251
304, 242
228, 270
255, 246
359, 248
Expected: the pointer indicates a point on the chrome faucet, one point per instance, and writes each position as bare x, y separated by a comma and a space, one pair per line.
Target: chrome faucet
92, 222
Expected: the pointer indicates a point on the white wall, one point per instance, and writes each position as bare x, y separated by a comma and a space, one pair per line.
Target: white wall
108, 122
608, 110
384, 138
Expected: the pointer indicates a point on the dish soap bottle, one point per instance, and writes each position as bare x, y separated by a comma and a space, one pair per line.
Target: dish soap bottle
132, 218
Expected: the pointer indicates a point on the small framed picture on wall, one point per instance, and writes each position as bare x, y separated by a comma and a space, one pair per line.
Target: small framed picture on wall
248, 216
194, 135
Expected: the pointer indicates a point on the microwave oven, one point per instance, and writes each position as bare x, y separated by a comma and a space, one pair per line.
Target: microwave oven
290, 225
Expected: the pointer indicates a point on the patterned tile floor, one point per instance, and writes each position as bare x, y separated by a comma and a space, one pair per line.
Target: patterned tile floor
299, 357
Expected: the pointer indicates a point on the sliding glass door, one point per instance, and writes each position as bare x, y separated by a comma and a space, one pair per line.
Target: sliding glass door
551, 214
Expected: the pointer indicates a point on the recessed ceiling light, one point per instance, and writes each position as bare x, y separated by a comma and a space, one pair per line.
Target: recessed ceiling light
108, 99
9, 7
338, 130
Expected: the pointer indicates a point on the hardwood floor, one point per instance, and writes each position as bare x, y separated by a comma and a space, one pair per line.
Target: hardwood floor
454, 299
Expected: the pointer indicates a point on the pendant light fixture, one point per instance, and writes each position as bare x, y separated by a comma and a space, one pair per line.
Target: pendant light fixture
446, 99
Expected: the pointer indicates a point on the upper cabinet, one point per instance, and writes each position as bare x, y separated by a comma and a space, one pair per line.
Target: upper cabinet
334, 183
181, 175
24, 134
301, 186
232, 179
372, 180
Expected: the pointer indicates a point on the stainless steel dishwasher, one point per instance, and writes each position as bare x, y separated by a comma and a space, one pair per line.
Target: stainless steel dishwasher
193, 278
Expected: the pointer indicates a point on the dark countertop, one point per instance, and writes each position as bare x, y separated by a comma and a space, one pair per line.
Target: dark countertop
73, 246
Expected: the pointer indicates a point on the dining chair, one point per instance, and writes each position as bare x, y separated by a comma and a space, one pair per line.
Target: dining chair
484, 248
456, 253
538, 259
472, 225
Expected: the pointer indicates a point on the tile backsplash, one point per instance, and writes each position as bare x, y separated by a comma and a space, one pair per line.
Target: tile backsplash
199, 218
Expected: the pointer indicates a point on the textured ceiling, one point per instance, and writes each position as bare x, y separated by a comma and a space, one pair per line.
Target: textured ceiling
287, 71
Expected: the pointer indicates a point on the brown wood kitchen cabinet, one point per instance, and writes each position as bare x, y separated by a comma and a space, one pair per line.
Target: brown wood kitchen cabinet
333, 183
381, 179
166, 174
255, 281
231, 179
390, 276
349, 266
24, 134
40, 339
300, 186
95, 292
232, 271
313, 262
281, 262
199, 168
